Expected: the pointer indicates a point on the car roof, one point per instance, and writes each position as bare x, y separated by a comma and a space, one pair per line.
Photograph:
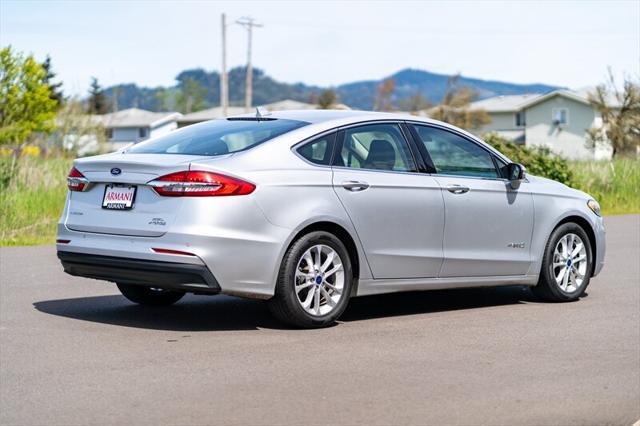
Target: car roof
335, 118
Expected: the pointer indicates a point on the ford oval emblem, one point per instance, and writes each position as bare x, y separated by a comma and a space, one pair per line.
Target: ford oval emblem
116, 171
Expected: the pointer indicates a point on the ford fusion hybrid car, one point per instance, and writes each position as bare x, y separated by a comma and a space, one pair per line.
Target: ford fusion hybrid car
307, 209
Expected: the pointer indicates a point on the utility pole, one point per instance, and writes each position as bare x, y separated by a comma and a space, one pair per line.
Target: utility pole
224, 85
248, 23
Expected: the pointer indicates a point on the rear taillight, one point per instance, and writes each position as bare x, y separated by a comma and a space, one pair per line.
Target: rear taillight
76, 180
194, 183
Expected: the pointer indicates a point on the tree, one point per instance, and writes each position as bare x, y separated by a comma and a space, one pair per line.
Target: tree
455, 107
415, 103
383, 101
191, 96
97, 103
77, 131
26, 105
55, 88
327, 99
620, 112
163, 98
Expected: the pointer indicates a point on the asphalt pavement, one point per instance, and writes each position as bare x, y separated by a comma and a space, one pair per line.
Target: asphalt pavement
74, 352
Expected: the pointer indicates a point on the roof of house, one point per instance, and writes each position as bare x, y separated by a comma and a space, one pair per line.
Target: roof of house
134, 117
578, 97
210, 114
513, 103
288, 104
506, 103
284, 105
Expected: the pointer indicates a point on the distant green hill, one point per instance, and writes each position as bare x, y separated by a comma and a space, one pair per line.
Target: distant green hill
358, 95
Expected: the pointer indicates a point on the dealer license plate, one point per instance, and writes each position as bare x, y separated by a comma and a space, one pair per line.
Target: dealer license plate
118, 197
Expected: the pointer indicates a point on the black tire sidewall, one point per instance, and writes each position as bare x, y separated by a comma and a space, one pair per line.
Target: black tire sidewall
286, 279
547, 272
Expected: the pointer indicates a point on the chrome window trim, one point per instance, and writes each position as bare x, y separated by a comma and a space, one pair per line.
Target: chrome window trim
501, 156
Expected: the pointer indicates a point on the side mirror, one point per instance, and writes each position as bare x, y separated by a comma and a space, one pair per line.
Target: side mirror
515, 173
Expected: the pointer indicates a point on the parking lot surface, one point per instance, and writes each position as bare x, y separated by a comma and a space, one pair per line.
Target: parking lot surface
73, 351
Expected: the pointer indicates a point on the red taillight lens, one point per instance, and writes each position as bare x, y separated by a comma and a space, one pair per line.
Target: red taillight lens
76, 180
195, 183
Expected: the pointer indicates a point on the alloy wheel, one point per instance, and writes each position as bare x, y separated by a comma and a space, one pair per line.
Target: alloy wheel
319, 280
570, 263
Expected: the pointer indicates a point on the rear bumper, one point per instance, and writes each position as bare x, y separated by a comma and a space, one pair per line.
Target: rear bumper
169, 275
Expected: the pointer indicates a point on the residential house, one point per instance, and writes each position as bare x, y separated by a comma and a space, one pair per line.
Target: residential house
135, 125
216, 112
558, 120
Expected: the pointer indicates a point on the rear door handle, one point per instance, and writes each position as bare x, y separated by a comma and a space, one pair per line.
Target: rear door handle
457, 189
354, 185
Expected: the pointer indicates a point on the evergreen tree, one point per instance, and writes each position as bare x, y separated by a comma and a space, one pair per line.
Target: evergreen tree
191, 96
55, 88
97, 103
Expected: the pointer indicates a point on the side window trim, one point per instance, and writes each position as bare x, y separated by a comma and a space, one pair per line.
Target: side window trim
339, 141
462, 135
427, 162
494, 159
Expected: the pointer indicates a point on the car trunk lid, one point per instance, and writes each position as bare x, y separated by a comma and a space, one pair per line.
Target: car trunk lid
150, 216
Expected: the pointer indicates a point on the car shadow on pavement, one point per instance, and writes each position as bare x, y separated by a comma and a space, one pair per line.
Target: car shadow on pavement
425, 302
224, 313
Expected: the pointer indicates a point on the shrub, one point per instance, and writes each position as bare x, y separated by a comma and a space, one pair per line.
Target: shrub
539, 161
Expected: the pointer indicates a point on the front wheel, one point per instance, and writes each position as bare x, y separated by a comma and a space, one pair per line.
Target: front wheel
314, 282
149, 296
566, 267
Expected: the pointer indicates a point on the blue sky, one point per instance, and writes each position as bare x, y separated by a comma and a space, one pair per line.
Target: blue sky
329, 43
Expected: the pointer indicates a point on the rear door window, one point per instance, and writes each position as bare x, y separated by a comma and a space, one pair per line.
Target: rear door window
375, 147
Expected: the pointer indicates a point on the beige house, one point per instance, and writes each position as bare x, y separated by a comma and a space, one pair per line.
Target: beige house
122, 128
558, 120
135, 125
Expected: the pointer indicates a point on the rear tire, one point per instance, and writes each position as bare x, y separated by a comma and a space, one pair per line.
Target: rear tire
149, 296
314, 282
566, 266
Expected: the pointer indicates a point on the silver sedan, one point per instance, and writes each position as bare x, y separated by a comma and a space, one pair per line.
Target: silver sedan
310, 208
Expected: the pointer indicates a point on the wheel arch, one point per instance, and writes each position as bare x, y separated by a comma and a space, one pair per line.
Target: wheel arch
344, 236
588, 229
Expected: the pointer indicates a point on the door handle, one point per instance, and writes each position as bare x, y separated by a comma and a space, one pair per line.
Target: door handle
457, 189
354, 185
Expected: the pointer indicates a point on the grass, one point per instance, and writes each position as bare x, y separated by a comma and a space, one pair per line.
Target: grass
615, 185
31, 204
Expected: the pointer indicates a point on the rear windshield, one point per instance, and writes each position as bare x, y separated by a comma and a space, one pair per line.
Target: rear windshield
217, 137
